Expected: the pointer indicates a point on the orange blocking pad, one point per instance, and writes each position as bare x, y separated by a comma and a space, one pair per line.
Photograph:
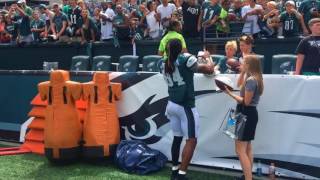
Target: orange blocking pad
62, 133
101, 125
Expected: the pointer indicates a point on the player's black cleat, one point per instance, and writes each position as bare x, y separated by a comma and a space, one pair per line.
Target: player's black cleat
174, 174
182, 177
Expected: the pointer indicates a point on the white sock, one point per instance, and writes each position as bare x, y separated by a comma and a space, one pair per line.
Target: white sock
182, 172
174, 168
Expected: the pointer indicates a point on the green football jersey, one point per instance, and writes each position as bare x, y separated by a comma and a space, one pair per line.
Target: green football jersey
306, 7
180, 82
209, 11
290, 24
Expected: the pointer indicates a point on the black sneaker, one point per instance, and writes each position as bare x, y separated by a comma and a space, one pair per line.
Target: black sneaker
182, 177
174, 174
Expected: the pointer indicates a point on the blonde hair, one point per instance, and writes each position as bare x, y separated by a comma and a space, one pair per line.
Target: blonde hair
232, 44
272, 3
255, 70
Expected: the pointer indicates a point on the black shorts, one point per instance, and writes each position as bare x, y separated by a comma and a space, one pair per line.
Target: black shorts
252, 121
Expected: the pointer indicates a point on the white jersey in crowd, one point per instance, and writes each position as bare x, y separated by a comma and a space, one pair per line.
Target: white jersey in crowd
153, 25
166, 11
251, 24
106, 26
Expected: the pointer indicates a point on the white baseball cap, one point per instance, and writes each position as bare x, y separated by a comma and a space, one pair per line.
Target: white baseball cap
21, 1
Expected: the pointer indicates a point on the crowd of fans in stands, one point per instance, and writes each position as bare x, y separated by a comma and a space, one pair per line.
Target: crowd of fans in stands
114, 20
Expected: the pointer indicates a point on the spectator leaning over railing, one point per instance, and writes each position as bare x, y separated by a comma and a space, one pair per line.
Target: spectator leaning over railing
291, 19
4, 36
59, 25
250, 14
38, 27
271, 18
88, 29
210, 12
97, 21
308, 51
223, 27
154, 27
27, 10
121, 23
165, 10
309, 9
11, 27
24, 30
106, 22
191, 12
74, 13
235, 10
46, 16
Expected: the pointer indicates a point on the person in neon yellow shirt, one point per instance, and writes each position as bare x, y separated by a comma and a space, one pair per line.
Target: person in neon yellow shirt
173, 33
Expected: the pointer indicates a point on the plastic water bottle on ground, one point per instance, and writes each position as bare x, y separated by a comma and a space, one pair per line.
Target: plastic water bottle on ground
259, 169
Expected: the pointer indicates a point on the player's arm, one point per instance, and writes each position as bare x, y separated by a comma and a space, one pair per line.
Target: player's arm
193, 64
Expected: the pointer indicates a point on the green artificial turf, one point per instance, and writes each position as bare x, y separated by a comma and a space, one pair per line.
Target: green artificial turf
31, 166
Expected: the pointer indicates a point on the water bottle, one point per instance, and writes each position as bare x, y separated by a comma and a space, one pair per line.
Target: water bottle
230, 127
272, 171
259, 169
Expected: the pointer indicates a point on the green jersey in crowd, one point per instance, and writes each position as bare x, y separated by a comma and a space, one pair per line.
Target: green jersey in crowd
210, 11
58, 21
290, 24
180, 82
119, 19
223, 16
37, 24
24, 26
307, 7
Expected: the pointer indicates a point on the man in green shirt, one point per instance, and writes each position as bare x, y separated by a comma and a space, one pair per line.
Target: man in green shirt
24, 30
173, 32
27, 9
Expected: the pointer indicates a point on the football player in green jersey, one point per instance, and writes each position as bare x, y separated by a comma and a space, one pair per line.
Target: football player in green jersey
178, 72
209, 14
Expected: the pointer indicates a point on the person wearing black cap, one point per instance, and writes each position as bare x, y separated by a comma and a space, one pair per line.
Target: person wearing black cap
308, 51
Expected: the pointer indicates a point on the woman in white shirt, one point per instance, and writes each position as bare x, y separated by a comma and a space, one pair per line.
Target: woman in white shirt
153, 21
250, 14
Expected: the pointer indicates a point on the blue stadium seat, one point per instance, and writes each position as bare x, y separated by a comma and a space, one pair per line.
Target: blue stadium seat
128, 63
79, 63
283, 63
150, 63
101, 63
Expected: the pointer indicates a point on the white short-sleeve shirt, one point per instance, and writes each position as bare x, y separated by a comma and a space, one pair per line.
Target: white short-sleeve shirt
251, 23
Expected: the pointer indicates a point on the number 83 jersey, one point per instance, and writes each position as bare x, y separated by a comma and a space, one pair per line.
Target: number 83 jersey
180, 82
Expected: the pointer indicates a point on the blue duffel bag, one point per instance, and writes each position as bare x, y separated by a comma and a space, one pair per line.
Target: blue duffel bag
136, 157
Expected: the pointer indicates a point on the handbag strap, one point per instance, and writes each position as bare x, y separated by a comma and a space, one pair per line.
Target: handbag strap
225, 117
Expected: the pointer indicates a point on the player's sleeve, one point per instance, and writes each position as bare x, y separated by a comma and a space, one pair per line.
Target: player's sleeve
192, 63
